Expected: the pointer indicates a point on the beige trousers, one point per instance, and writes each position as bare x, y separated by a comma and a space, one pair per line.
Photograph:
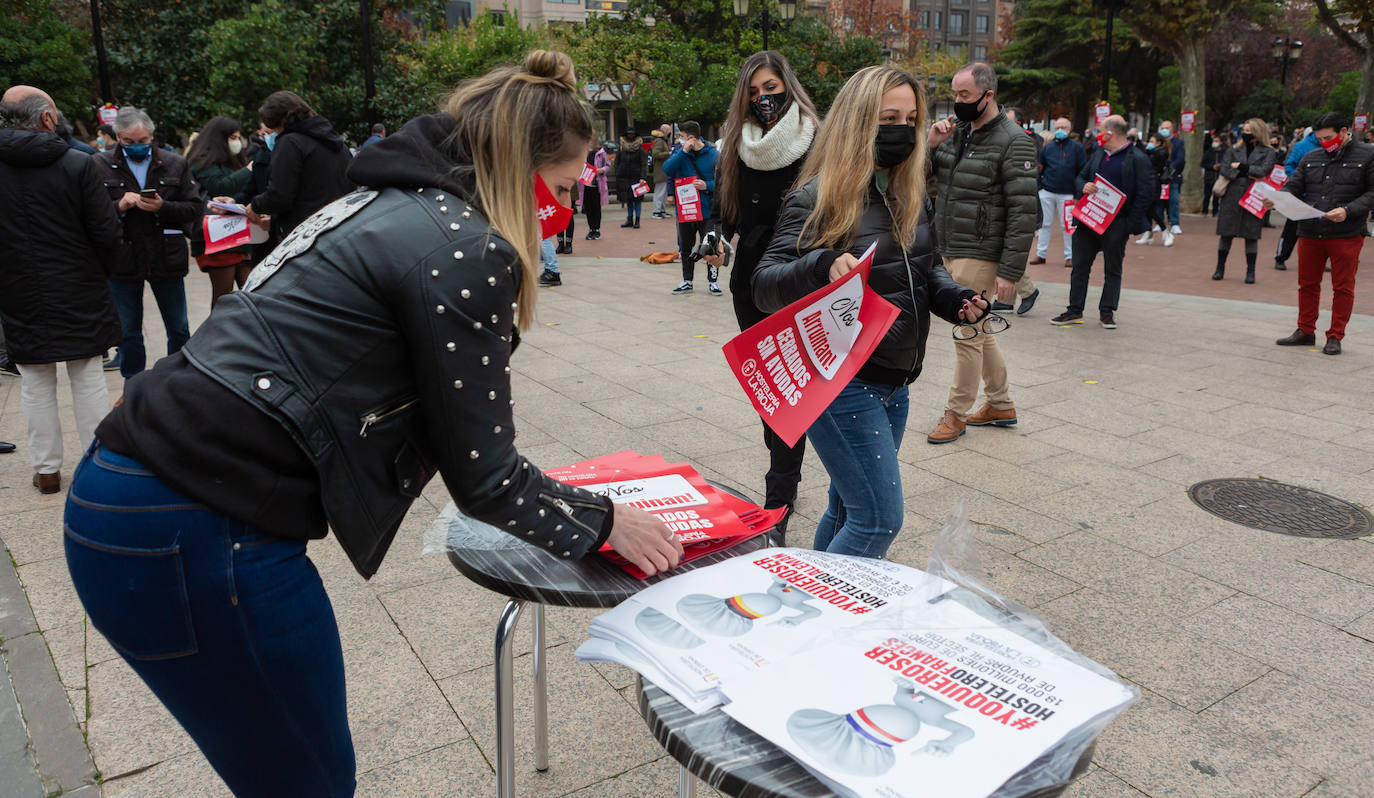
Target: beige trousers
979, 358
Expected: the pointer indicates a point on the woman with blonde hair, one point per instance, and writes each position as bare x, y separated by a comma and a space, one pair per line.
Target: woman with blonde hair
767, 134
1243, 163
864, 183
369, 350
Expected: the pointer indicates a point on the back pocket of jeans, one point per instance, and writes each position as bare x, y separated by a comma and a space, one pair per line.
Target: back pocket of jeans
135, 597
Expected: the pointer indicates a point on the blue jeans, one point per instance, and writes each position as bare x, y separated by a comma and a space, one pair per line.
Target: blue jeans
1174, 188
548, 254
171, 303
229, 627
857, 439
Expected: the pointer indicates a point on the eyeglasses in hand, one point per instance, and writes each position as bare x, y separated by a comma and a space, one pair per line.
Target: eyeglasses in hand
989, 324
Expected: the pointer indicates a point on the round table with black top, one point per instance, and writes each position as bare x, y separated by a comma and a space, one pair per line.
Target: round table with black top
529, 575
729, 757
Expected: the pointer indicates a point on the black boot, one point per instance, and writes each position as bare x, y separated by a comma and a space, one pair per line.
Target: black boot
1221, 266
1249, 269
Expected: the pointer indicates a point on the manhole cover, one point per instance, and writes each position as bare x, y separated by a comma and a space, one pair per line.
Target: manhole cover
1277, 507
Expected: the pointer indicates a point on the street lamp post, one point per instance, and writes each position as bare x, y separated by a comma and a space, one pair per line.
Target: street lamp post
1286, 50
1111, 7
98, 39
787, 11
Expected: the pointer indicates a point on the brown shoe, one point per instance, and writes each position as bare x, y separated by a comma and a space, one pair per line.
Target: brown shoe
949, 428
47, 483
1037, 260
989, 415
1333, 346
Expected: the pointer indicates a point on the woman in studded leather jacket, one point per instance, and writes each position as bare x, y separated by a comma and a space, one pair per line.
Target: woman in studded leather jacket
369, 350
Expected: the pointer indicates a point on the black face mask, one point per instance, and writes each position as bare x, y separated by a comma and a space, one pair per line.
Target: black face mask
967, 112
895, 144
1247, 137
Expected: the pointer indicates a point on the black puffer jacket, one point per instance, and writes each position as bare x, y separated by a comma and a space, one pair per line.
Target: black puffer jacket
1326, 182
59, 238
915, 281
309, 166
150, 252
378, 334
986, 200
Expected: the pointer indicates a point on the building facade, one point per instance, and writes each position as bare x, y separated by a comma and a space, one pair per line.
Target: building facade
966, 29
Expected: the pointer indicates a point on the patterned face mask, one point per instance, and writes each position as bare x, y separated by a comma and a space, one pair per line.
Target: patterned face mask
768, 107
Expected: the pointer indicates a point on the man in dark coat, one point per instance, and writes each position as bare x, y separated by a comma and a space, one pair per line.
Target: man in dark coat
157, 198
309, 161
1337, 178
59, 238
1125, 166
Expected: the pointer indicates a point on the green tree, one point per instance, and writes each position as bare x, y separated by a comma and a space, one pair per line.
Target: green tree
1053, 41
444, 58
254, 55
1181, 27
39, 48
1353, 23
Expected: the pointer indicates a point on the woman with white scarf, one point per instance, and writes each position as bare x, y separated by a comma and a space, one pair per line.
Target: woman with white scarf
767, 136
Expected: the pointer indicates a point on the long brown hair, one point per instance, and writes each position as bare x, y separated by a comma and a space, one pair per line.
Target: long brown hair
841, 164
727, 167
508, 124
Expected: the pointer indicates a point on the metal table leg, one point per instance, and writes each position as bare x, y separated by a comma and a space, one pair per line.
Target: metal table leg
686, 785
505, 700
541, 694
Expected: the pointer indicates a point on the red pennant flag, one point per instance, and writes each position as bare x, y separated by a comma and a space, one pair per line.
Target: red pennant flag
794, 363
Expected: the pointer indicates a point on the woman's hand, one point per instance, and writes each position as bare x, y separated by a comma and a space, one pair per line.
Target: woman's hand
973, 309
226, 201
644, 540
843, 265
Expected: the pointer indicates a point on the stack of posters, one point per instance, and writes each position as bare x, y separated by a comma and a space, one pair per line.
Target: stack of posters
880, 679
705, 519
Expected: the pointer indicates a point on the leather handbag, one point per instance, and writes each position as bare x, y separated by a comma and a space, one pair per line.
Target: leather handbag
1219, 187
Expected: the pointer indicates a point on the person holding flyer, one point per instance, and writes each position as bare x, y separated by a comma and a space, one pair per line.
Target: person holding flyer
1126, 170
863, 185
1338, 178
368, 351
1288, 239
695, 160
767, 135
1243, 164
1177, 157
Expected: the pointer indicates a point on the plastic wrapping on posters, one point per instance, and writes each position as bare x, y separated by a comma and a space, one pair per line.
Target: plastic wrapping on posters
954, 558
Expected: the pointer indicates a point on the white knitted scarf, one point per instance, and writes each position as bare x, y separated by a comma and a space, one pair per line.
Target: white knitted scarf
787, 141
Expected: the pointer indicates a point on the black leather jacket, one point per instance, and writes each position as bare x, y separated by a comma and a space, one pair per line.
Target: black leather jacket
915, 281
379, 335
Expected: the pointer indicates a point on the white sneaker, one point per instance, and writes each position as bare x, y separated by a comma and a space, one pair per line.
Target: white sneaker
1168, 239
685, 287
1154, 228
1176, 230
1145, 239
714, 289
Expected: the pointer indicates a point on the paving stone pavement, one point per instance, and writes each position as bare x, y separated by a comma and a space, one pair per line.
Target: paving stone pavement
1252, 650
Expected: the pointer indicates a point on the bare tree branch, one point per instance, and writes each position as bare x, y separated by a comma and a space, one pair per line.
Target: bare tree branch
1324, 11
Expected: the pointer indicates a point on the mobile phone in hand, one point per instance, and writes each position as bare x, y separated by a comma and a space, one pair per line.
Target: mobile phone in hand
148, 192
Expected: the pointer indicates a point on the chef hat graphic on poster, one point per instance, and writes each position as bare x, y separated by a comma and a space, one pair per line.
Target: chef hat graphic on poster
660, 628
862, 742
732, 616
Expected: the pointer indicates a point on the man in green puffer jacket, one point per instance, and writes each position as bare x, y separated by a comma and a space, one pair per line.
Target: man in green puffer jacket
984, 182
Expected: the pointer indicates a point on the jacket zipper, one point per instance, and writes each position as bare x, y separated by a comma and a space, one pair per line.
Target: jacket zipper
383, 413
